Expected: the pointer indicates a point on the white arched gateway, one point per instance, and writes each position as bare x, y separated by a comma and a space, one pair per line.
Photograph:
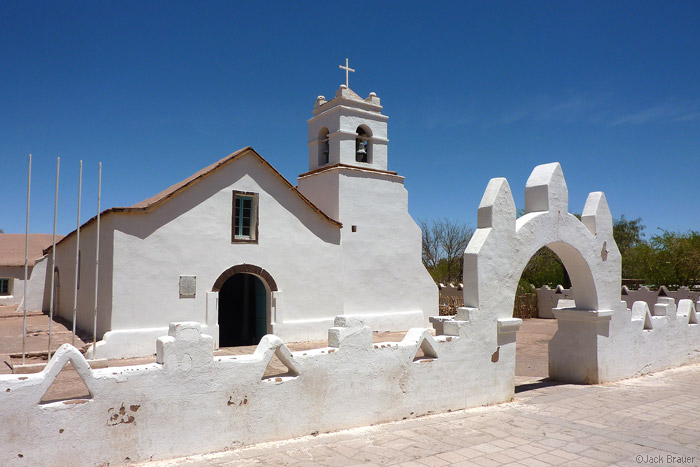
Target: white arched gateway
597, 340
503, 245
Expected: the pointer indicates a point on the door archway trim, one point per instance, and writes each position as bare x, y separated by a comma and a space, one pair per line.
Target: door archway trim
245, 269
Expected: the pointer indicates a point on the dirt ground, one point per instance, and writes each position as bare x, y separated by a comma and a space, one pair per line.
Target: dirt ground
531, 350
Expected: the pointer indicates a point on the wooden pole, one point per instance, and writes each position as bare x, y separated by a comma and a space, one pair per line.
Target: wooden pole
77, 253
26, 264
53, 253
97, 263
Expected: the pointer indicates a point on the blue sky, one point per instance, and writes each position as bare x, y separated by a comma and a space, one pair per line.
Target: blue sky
474, 90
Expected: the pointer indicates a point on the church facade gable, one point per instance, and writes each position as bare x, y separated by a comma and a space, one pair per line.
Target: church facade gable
191, 235
238, 249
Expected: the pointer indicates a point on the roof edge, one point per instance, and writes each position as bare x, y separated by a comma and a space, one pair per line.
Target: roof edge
350, 167
171, 192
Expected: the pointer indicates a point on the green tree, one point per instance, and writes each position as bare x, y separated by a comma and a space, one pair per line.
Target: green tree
629, 236
444, 242
628, 232
640, 262
677, 259
544, 268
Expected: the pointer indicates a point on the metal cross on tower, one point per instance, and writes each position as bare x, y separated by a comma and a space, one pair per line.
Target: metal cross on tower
347, 75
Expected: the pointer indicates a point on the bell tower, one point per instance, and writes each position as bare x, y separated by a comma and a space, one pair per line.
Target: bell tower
380, 265
348, 130
348, 156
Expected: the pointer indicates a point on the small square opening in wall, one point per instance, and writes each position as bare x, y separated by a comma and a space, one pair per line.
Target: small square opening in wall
188, 286
354, 228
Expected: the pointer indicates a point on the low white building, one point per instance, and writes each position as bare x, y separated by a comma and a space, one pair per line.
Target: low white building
240, 250
12, 256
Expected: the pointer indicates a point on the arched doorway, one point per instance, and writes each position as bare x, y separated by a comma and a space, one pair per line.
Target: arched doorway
242, 311
544, 271
244, 305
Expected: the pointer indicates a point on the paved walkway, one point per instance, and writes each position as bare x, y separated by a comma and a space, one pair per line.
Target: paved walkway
651, 420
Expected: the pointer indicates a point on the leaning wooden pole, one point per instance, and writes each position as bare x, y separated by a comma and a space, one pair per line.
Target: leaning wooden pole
53, 253
77, 253
26, 265
97, 263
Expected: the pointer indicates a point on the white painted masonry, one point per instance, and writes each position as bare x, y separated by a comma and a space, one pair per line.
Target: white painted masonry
149, 411
548, 298
379, 238
12, 256
15, 276
599, 339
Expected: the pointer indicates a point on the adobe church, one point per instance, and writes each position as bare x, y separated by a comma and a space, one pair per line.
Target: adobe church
239, 249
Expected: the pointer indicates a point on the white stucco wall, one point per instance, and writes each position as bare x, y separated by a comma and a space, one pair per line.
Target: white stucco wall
323, 190
16, 276
384, 278
65, 264
148, 411
382, 265
599, 340
547, 298
191, 235
35, 286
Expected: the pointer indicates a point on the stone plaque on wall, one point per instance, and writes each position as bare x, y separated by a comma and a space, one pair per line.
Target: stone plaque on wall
188, 286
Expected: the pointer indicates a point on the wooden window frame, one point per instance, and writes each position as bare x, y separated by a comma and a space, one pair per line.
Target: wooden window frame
253, 217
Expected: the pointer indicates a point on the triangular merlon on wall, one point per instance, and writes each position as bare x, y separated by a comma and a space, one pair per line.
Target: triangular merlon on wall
420, 339
272, 345
67, 353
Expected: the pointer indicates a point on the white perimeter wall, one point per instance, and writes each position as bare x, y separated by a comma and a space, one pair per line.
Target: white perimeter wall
190, 402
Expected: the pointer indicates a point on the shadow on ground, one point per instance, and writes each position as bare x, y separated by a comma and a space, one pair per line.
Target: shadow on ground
543, 383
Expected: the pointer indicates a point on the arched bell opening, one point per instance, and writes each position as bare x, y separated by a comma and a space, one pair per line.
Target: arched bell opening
323, 147
363, 144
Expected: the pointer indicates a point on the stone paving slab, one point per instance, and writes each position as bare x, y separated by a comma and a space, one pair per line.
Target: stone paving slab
650, 420
37, 338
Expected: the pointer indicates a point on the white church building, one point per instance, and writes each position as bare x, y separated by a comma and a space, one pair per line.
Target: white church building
239, 249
